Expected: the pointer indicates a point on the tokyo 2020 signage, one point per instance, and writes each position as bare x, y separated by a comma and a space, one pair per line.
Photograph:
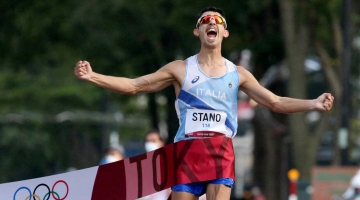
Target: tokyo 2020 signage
135, 177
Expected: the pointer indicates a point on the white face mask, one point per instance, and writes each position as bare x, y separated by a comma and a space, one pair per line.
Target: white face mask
151, 146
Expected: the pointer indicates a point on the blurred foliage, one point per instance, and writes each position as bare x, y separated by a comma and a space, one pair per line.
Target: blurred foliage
40, 42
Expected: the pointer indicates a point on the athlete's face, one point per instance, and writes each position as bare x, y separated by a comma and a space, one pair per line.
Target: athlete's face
211, 29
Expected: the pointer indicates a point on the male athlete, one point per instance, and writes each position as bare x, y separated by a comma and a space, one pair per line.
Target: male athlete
206, 86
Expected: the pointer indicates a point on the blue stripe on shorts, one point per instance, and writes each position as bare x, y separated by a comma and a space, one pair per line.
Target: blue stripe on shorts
199, 188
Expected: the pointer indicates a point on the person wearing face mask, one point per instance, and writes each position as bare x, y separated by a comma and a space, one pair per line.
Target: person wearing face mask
153, 141
114, 153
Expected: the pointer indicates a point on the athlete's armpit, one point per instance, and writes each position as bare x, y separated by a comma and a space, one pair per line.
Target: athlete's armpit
169, 74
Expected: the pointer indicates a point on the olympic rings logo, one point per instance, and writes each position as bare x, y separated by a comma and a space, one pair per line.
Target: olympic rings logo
49, 193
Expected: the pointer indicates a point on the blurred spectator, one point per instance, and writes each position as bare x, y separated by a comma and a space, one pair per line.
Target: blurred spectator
258, 195
114, 153
153, 141
353, 192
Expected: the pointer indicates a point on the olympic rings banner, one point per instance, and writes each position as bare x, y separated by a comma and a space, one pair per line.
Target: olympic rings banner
182, 162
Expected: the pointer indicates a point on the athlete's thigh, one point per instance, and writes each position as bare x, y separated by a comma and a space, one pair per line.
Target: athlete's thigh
218, 192
183, 196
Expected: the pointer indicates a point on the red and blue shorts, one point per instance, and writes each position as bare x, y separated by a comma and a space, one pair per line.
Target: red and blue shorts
199, 188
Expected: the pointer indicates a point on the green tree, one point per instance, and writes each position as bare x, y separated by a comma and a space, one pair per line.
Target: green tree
312, 27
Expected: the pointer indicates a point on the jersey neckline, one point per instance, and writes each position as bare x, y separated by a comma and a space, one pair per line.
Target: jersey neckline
198, 65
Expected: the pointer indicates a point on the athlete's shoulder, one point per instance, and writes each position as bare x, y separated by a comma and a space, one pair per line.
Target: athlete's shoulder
242, 70
176, 64
179, 63
175, 68
244, 74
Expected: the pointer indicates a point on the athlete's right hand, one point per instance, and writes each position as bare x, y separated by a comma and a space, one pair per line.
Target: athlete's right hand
83, 70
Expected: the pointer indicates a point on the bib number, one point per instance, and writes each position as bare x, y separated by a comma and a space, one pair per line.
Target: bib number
198, 120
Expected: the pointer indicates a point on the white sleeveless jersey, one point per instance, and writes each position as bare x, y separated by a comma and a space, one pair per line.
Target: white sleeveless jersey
207, 105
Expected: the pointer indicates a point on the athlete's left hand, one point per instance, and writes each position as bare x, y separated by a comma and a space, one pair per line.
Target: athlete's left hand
324, 102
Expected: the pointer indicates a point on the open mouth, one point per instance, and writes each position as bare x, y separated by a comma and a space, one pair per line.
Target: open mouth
211, 33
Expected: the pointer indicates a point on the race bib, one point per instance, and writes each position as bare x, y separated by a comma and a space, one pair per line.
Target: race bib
205, 123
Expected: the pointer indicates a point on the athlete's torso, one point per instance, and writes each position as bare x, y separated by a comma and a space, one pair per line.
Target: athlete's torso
207, 105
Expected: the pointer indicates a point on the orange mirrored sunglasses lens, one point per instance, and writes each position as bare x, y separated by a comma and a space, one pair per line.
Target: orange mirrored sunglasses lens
207, 19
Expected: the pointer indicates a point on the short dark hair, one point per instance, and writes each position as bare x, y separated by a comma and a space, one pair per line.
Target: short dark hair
213, 9
155, 131
117, 147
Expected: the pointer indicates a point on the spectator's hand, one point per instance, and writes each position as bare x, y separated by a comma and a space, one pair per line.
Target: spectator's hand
324, 102
83, 70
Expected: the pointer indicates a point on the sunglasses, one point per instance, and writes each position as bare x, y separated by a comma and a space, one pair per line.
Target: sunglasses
207, 18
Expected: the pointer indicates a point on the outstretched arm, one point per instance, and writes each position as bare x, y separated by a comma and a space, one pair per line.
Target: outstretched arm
148, 83
281, 104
